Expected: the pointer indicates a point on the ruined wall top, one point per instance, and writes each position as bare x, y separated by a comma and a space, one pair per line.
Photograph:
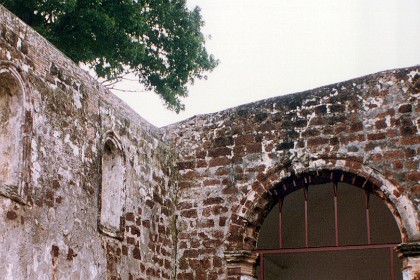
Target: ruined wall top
30, 52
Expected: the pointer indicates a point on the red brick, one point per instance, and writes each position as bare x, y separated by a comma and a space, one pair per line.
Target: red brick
376, 157
355, 127
416, 189
408, 130
201, 163
244, 139
376, 136
136, 253
211, 182
253, 148
393, 154
398, 164
223, 141
411, 164
413, 176
380, 124
213, 200
186, 165
191, 175
410, 140
184, 205
266, 127
405, 108
11, 215
219, 209
219, 161
317, 141
337, 108
206, 223
217, 152
192, 213
129, 217
222, 171
311, 132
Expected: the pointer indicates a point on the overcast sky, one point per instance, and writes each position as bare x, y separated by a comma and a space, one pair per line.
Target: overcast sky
275, 47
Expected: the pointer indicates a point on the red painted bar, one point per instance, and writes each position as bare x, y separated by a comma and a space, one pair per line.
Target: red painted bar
305, 190
326, 249
280, 222
368, 216
261, 266
391, 255
335, 185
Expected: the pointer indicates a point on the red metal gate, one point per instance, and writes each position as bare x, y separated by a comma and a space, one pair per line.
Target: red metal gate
281, 193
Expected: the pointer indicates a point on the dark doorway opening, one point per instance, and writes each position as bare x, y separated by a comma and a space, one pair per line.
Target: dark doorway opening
328, 226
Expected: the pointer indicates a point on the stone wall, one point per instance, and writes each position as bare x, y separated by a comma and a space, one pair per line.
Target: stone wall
234, 163
51, 197
90, 190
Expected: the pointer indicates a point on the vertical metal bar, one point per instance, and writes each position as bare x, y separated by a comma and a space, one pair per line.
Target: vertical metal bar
368, 216
261, 266
305, 190
391, 254
335, 185
281, 222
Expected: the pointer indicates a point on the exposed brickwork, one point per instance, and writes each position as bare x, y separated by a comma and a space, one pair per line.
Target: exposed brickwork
231, 161
69, 114
194, 201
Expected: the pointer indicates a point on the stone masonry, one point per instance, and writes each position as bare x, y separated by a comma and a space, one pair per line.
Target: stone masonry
90, 190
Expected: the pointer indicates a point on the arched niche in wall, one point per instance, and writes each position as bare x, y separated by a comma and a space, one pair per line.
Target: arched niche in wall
112, 195
14, 136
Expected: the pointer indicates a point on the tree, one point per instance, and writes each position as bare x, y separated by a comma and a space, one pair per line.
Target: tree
159, 41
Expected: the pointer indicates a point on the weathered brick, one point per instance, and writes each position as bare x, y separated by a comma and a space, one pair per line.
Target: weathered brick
380, 124
217, 152
220, 161
285, 146
223, 141
136, 253
395, 154
266, 127
317, 141
376, 136
186, 165
213, 200
211, 182
204, 181
413, 176
253, 148
337, 108
357, 126
321, 109
405, 108
11, 215
192, 213
408, 130
244, 139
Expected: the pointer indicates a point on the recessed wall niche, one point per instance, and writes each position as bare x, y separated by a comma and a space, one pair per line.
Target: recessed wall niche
14, 165
112, 197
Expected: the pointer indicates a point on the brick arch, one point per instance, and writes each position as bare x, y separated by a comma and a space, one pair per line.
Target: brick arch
249, 216
257, 201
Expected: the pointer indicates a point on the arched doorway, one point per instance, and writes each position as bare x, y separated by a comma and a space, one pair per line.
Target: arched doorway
328, 225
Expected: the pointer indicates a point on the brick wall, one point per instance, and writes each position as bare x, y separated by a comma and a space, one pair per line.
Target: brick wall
233, 162
193, 203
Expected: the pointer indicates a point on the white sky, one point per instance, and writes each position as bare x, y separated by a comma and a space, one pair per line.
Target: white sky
274, 47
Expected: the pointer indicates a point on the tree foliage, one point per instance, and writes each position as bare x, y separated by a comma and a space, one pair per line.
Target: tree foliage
160, 41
